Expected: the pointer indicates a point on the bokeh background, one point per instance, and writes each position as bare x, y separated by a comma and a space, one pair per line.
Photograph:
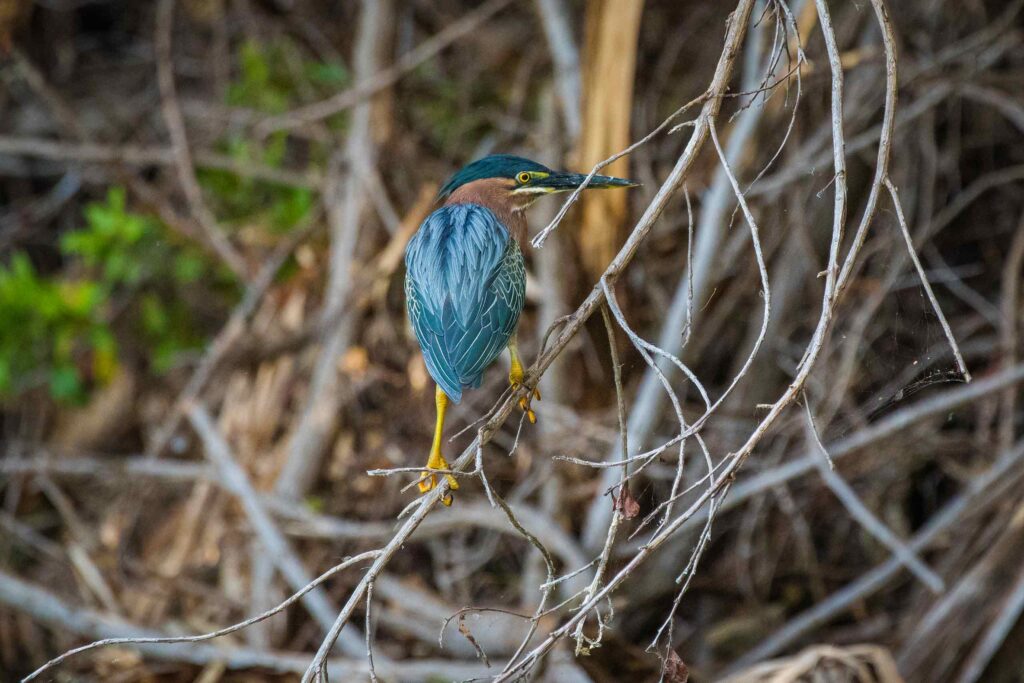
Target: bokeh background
205, 203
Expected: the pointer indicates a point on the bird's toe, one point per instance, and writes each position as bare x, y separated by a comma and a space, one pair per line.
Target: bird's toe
427, 482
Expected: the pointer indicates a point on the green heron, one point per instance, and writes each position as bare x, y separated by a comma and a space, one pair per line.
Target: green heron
465, 279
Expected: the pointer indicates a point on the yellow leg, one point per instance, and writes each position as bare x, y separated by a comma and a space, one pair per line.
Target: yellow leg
436, 461
515, 378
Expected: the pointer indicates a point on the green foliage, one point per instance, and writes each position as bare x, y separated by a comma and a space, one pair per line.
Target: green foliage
238, 199
62, 329
258, 86
130, 256
272, 78
110, 240
45, 324
168, 328
127, 288
330, 74
454, 116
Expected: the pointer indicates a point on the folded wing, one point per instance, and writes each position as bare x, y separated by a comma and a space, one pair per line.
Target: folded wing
465, 284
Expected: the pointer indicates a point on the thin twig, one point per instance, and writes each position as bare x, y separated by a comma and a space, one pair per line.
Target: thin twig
72, 153
132, 640
961, 366
179, 143
274, 542
230, 333
369, 634
983, 490
995, 635
624, 496
874, 526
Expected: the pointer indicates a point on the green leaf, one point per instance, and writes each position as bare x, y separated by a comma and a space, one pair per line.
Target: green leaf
155, 320
65, 384
291, 208
104, 354
328, 73
116, 198
188, 267
5, 375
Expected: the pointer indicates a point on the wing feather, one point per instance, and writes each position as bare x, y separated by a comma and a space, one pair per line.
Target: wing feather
465, 287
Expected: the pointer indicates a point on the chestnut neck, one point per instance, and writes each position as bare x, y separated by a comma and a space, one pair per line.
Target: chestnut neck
493, 193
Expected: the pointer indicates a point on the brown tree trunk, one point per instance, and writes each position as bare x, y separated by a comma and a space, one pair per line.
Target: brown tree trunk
609, 59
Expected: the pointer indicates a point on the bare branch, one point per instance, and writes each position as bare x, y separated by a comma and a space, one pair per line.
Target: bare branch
179, 143
274, 542
961, 366
874, 526
142, 640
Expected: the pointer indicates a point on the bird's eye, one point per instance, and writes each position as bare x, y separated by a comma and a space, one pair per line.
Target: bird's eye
523, 178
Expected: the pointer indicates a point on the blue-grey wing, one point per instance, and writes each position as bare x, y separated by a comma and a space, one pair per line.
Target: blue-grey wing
465, 286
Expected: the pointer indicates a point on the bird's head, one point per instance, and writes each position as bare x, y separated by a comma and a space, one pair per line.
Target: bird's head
517, 181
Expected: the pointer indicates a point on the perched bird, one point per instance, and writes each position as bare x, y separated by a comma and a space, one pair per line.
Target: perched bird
465, 278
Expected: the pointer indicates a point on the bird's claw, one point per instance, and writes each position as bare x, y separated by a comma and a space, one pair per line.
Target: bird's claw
428, 480
524, 401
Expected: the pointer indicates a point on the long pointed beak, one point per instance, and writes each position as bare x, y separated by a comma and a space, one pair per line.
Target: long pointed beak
563, 182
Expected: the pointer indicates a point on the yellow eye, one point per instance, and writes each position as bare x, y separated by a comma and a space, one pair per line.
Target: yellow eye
523, 178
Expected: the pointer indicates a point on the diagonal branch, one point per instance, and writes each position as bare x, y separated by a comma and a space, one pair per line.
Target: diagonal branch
874, 526
235, 479
960, 365
175, 123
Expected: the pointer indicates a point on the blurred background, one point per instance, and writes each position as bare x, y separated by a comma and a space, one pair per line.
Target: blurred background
204, 206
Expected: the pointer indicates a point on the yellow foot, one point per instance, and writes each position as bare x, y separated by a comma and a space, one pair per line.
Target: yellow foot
524, 401
428, 480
